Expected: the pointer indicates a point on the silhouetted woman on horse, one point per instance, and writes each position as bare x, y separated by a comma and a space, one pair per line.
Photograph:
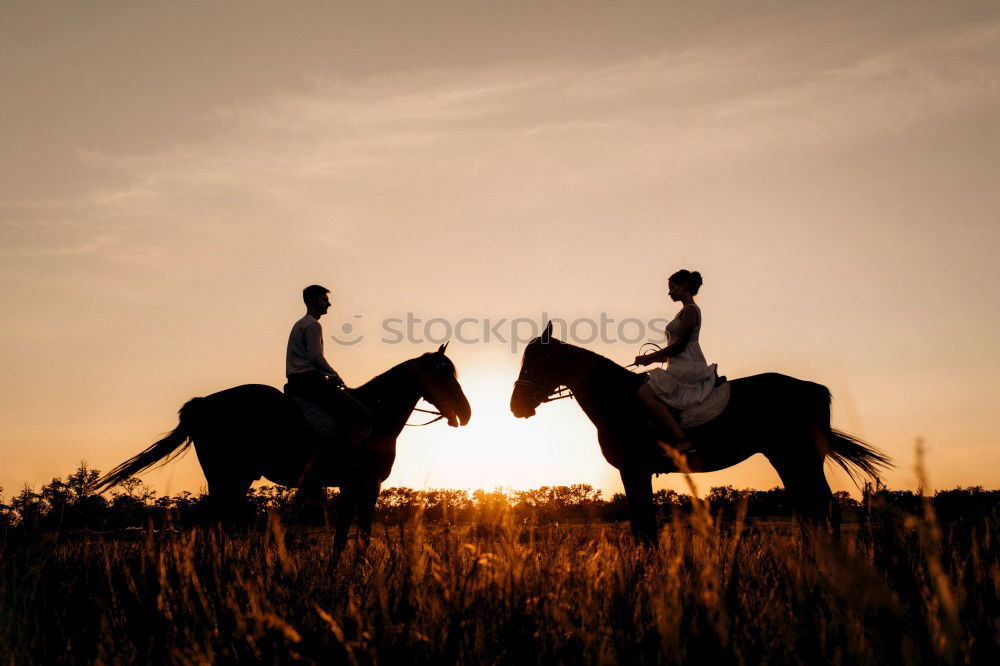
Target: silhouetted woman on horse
785, 419
688, 378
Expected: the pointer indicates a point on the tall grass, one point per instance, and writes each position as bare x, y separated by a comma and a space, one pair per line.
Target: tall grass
899, 590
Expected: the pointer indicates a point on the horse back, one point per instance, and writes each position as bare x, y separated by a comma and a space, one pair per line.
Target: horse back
773, 395
241, 408
775, 385
254, 393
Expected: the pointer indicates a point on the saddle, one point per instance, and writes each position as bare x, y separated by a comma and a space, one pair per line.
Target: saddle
333, 414
317, 417
703, 412
707, 409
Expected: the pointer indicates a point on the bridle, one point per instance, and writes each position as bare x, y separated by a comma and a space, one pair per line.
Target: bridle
558, 393
543, 394
437, 417
561, 391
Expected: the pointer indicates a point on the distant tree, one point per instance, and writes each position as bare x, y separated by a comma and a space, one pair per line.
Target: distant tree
905, 501
397, 505
582, 502
134, 489
529, 505
967, 503
72, 503
844, 499
271, 498
724, 501
131, 504
6, 517
768, 503
670, 504
616, 509
81, 482
28, 507
69, 504
489, 507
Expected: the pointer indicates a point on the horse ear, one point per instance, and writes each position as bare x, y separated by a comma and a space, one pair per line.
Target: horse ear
547, 334
443, 347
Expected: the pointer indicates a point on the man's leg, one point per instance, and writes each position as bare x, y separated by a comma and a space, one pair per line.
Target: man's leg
351, 414
307, 386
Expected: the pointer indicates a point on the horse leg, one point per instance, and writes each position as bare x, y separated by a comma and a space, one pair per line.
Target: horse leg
807, 489
310, 500
226, 496
345, 513
827, 507
366, 499
639, 493
819, 434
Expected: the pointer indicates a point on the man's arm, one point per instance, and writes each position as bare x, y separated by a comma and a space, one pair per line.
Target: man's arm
314, 350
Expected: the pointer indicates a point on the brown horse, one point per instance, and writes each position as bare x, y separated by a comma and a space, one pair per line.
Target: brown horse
786, 419
253, 431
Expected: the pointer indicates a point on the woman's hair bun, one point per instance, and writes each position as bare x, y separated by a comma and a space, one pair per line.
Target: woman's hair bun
690, 279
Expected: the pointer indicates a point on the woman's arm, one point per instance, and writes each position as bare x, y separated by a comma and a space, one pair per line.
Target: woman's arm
688, 320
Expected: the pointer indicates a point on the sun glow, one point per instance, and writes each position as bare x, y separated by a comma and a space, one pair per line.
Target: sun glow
557, 446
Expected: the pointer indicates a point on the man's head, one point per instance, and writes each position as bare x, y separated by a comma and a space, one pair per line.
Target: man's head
317, 300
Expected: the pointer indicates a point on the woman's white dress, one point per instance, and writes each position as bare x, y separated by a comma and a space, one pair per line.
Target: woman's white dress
688, 378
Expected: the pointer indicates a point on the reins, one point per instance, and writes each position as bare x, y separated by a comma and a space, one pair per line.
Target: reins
439, 416
651, 344
561, 391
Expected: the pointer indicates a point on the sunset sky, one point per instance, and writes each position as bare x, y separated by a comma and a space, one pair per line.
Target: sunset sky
172, 175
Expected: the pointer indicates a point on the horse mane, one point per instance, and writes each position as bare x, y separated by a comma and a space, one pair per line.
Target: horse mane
393, 375
609, 370
390, 376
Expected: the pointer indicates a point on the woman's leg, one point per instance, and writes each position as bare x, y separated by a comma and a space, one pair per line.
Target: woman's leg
664, 416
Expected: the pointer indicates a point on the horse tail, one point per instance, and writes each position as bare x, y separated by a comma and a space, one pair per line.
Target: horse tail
165, 450
853, 454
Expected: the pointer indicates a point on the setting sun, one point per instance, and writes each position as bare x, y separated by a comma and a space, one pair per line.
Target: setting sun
498, 451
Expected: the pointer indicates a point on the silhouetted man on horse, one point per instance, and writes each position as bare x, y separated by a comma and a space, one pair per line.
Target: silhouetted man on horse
311, 377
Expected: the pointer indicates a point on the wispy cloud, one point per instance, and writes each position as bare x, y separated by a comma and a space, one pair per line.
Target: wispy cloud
336, 149
710, 96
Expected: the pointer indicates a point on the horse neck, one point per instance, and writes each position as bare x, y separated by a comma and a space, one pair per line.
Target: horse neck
592, 377
390, 397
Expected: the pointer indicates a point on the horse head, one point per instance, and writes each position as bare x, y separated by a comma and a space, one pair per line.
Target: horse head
537, 379
439, 386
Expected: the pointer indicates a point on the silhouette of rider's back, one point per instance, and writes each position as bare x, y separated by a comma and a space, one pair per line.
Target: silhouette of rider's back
311, 377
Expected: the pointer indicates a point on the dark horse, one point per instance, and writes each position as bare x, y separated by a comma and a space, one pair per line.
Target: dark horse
253, 431
786, 419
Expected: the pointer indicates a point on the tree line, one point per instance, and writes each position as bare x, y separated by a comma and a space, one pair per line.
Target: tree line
70, 503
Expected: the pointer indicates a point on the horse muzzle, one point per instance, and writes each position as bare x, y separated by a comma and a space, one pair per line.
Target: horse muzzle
460, 416
520, 408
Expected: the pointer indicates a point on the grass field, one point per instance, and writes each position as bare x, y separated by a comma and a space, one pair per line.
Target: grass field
901, 589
